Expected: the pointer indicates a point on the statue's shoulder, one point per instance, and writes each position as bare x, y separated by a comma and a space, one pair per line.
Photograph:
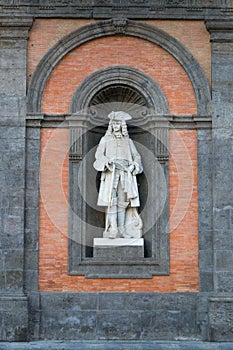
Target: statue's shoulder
106, 138
103, 138
129, 139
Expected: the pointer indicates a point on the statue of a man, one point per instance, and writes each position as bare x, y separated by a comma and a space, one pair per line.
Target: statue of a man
119, 162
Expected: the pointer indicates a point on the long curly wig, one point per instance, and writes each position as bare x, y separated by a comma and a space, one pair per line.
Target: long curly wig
124, 130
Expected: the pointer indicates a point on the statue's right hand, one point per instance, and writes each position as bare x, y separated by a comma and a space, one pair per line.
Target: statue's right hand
109, 165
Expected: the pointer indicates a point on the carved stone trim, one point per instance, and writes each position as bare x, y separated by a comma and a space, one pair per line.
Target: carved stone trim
191, 122
6, 296
120, 25
34, 120
76, 157
76, 145
161, 146
220, 31
15, 27
135, 29
159, 121
162, 159
139, 9
121, 75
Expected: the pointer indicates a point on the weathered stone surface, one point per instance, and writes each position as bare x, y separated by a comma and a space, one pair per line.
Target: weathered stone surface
223, 281
223, 239
68, 316
205, 209
12, 224
221, 319
34, 316
31, 227
13, 259
117, 345
14, 280
222, 79
70, 301
14, 317
224, 260
80, 325
173, 9
206, 280
13, 304
118, 249
121, 315
118, 253
119, 324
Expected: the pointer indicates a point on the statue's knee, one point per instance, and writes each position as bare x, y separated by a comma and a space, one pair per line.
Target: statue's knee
122, 204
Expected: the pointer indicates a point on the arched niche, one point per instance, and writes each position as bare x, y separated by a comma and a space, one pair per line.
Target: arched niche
118, 88
137, 87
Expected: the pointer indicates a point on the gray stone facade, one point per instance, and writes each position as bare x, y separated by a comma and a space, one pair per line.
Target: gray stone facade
27, 314
131, 316
13, 302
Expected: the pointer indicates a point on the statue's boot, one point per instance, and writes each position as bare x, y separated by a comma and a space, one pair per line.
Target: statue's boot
113, 233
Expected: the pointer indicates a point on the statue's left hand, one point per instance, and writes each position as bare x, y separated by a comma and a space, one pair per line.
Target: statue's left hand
130, 168
136, 169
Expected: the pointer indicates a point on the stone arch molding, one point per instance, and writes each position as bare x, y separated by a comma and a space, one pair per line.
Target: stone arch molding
119, 27
127, 76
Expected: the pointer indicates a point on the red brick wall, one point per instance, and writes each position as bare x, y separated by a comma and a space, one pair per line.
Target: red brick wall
194, 36
69, 73
45, 33
53, 252
125, 51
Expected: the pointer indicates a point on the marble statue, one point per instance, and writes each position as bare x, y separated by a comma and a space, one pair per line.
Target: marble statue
119, 161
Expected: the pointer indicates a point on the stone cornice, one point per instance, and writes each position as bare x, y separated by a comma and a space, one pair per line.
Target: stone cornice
10, 296
134, 9
79, 120
15, 27
15, 21
220, 31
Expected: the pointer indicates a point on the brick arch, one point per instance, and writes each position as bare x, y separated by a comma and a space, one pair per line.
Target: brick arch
128, 28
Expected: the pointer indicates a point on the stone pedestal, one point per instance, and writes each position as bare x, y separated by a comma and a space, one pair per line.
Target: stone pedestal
119, 248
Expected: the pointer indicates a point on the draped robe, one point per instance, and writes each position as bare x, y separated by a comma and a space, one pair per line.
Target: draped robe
123, 151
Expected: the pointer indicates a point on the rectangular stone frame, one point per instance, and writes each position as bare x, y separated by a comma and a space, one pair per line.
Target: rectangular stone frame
79, 264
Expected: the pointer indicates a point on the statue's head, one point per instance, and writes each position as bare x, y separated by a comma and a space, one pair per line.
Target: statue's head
118, 122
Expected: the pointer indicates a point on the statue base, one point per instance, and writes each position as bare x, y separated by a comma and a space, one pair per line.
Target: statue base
118, 248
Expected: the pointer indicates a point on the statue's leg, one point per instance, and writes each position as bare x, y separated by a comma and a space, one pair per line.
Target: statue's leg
111, 219
121, 216
121, 210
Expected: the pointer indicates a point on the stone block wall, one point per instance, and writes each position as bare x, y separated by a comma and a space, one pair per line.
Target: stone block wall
13, 65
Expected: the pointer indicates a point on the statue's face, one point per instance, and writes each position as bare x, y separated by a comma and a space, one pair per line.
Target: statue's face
116, 125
